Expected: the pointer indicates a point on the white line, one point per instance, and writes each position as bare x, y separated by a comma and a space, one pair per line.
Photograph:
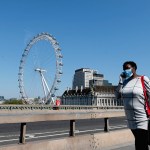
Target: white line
47, 136
8, 135
115, 127
118, 127
121, 126
2, 136
9, 140
52, 132
91, 130
111, 127
29, 134
33, 137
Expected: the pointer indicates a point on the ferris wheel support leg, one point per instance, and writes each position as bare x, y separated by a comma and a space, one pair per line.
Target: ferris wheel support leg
43, 85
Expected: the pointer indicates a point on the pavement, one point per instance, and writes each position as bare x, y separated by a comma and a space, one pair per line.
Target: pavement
129, 147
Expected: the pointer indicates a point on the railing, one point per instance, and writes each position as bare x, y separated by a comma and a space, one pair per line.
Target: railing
61, 107
73, 113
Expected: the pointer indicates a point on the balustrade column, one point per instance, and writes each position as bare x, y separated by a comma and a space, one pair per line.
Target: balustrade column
106, 102
113, 102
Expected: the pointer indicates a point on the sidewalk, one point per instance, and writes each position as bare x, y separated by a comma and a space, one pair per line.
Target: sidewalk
129, 147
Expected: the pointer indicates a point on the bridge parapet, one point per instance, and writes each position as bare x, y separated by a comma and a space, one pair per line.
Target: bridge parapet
23, 116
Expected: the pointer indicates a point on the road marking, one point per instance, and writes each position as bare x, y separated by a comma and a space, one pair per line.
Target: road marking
91, 130
111, 127
118, 127
8, 135
47, 136
31, 134
51, 132
8, 140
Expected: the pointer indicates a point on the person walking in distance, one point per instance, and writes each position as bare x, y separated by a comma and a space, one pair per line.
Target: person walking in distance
130, 90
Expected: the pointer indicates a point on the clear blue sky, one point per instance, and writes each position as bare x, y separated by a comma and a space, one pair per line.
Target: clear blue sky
97, 34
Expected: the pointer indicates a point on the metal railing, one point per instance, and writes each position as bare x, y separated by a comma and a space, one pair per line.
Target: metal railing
61, 107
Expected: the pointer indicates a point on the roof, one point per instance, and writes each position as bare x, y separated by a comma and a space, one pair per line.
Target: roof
78, 92
87, 91
104, 88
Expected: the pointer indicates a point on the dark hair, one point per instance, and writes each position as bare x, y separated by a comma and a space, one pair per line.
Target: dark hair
133, 64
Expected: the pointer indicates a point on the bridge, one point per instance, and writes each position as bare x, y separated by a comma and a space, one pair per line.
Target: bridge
105, 140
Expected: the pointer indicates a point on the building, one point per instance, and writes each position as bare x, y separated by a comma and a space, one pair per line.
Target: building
77, 97
96, 96
2, 98
90, 88
85, 78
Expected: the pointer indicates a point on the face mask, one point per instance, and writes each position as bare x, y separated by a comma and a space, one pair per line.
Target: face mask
128, 73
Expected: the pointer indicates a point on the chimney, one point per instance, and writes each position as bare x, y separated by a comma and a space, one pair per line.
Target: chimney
76, 89
81, 88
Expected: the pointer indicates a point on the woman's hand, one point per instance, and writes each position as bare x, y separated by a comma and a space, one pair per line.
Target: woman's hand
121, 79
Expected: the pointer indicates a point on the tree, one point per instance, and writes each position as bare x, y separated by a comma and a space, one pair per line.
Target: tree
13, 101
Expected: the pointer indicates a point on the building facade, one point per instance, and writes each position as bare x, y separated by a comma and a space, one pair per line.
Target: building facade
96, 96
90, 88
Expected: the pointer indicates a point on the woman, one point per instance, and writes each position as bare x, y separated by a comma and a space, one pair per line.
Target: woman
131, 91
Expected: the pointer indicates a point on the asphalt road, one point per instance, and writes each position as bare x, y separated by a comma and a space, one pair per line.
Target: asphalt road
9, 133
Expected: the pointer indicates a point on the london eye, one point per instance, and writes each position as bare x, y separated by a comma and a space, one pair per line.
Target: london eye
40, 70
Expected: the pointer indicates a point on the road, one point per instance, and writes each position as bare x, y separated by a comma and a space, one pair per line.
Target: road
9, 133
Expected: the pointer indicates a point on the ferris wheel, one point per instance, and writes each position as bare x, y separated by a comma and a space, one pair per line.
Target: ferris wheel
40, 70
